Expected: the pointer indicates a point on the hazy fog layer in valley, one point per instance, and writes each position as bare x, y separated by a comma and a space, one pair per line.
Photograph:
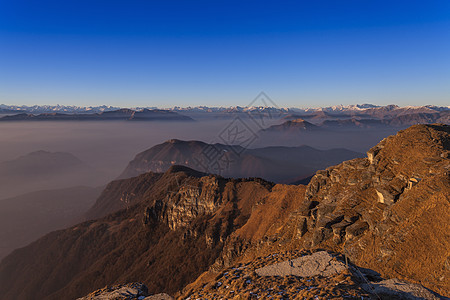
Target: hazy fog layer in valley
109, 146
106, 146
27, 217
357, 140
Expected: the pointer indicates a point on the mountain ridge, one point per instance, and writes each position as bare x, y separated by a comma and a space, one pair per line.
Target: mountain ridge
388, 212
103, 108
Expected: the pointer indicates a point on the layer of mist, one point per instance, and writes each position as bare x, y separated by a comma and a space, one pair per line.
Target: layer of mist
107, 147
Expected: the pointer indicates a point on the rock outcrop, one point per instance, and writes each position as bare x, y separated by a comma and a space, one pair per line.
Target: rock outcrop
317, 264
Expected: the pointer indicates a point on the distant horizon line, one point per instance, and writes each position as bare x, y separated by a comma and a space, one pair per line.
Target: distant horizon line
176, 107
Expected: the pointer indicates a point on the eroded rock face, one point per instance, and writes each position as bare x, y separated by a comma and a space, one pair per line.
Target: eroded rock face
389, 209
190, 201
186, 201
317, 264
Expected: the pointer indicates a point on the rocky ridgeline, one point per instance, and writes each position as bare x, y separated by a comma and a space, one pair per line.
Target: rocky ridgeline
389, 211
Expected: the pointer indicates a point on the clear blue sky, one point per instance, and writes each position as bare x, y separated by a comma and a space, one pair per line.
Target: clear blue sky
223, 53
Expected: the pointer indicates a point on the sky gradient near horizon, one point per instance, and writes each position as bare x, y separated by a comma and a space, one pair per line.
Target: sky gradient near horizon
223, 53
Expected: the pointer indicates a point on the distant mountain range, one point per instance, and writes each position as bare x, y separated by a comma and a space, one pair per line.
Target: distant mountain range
39, 109
278, 164
5, 111
338, 109
355, 116
123, 114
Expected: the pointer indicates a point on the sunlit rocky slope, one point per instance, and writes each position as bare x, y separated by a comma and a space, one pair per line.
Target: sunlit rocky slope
180, 230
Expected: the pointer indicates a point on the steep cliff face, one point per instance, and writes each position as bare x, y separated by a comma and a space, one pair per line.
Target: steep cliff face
389, 211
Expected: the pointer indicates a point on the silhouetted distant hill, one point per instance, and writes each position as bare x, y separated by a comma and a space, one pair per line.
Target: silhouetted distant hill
279, 164
293, 126
44, 170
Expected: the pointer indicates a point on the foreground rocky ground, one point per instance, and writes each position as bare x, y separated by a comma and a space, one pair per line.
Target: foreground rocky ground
277, 276
284, 275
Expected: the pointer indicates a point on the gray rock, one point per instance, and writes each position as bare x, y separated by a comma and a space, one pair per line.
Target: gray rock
317, 264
